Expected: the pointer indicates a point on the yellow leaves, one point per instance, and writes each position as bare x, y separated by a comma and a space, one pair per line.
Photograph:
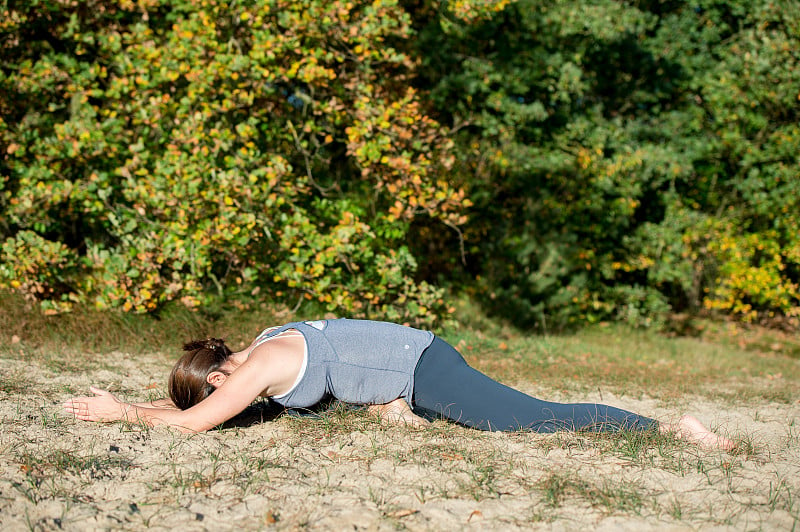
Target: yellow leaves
397, 210
475, 10
583, 158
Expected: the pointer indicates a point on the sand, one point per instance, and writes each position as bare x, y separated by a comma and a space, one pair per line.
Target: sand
346, 471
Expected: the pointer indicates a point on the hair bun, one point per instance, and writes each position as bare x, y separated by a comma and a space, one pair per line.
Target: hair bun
214, 344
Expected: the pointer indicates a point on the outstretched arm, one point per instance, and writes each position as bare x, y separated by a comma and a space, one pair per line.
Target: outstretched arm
239, 390
104, 406
158, 403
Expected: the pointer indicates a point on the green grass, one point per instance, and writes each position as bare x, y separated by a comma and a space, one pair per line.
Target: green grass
726, 361
26, 333
611, 497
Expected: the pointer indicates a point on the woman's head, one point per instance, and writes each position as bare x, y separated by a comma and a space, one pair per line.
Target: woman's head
191, 380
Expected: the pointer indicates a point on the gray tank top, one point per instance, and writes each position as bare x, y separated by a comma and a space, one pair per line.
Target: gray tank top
355, 361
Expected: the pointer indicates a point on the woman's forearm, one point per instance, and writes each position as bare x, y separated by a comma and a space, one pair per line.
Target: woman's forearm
152, 416
158, 403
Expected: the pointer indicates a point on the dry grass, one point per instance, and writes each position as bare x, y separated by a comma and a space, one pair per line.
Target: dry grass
340, 468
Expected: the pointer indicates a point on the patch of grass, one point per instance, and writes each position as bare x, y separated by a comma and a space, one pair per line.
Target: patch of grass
68, 339
94, 466
637, 446
44, 474
676, 510
481, 479
15, 382
609, 496
630, 361
783, 496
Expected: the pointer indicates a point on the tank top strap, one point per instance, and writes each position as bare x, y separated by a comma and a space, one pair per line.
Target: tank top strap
272, 332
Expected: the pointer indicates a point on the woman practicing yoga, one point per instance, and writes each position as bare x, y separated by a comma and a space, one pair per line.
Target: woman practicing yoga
402, 374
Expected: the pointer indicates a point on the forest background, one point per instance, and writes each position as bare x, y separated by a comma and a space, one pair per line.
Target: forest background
560, 162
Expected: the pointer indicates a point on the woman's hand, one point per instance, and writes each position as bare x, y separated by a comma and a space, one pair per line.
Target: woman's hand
103, 406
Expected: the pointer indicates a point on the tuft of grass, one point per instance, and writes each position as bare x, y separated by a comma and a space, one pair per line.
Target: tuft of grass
610, 496
94, 466
782, 496
675, 509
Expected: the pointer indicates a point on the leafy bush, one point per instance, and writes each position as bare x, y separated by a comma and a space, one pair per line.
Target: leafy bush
626, 160
585, 160
154, 149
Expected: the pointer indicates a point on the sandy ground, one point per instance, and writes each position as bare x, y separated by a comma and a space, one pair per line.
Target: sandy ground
346, 471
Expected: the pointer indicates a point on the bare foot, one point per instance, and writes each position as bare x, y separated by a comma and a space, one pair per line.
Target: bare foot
398, 412
690, 429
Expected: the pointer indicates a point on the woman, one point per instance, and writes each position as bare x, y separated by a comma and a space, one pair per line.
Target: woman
388, 367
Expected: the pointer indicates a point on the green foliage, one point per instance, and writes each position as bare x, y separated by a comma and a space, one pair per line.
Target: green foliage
154, 150
591, 160
626, 160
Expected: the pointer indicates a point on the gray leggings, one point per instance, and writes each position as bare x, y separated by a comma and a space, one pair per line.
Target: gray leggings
445, 386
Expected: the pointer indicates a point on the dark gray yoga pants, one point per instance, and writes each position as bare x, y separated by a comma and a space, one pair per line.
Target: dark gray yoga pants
445, 386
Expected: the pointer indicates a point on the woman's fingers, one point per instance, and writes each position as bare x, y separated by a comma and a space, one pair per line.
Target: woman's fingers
102, 406
77, 408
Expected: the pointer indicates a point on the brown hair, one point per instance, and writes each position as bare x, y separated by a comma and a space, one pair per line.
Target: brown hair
187, 380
